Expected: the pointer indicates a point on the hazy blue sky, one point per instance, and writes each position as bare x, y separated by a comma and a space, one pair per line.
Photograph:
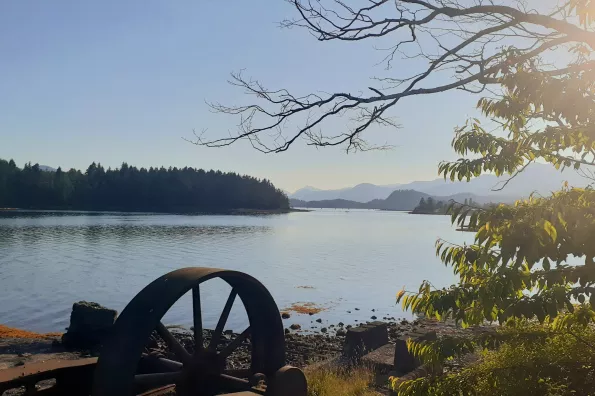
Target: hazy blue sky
113, 81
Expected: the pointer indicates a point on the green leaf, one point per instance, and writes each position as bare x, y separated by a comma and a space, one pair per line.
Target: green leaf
550, 230
561, 220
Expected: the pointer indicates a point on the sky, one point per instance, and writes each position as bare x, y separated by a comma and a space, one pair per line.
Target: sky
111, 82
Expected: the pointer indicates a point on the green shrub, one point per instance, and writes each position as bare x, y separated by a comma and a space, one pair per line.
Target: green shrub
554, 363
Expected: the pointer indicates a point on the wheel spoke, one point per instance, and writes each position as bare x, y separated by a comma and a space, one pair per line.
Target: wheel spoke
235, 344
197, 315
222, 320
154, 364
175, 346
157, 379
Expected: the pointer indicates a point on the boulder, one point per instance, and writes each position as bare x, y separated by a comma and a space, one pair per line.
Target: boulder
380, 360
404, 362
363, 339
90, 323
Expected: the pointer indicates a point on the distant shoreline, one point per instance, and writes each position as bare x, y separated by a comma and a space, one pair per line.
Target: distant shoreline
235, 212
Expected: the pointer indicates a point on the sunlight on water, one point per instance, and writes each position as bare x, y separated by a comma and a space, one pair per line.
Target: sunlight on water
336, 259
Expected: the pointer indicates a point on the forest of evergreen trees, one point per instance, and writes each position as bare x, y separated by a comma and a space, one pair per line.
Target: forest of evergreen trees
132, 189
433, 206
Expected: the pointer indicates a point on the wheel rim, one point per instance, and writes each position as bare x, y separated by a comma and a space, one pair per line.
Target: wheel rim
200, 373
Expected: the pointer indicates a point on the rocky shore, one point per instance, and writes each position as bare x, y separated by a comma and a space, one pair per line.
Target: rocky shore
302, 349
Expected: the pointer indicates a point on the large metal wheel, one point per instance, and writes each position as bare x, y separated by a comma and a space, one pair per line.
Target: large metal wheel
204, 371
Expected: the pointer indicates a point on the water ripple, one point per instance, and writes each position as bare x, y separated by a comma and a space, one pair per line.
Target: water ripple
49, 260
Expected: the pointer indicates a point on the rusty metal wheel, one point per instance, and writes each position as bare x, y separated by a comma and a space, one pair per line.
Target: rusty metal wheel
204, 371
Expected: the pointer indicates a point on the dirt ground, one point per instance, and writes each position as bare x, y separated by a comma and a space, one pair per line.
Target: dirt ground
20, 351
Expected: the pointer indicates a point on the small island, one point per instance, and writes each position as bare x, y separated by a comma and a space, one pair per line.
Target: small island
430, 206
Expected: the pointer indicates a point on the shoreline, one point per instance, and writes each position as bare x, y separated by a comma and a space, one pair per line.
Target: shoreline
303, 348
231, 212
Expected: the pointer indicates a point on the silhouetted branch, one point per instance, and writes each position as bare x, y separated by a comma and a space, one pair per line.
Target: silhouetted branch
475, 44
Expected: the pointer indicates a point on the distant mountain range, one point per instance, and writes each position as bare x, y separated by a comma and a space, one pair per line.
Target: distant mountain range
397, 200
540, 178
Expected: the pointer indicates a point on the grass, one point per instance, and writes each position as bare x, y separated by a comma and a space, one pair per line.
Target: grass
325, 382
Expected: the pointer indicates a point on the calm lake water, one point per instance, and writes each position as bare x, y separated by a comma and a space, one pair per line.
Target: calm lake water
338, 259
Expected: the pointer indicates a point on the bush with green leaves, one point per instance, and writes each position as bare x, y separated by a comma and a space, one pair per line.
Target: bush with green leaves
534, 359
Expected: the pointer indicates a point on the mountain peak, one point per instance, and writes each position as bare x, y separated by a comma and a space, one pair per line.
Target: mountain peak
541, 178
308, 188
361, 185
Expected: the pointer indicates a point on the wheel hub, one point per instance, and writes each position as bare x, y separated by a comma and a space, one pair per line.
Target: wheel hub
201, 375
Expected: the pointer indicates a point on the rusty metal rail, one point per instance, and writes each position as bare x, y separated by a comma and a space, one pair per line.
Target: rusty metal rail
73, 377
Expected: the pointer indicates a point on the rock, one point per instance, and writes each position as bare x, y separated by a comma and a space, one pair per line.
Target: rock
310, 313
348, 327
285, 315
90, 323
341, 333
380, 360
357, 309
341, 324
319, 320
404, 361
373, 318
373, 310
295, 326
324, 330
348, 311
364, 339
152, 343
287, 331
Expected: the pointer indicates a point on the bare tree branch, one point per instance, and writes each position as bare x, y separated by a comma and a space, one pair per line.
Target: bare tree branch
474, 45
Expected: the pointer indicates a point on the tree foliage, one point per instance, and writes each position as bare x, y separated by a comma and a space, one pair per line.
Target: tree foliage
538, 54
132, 189
531, 360
535, 75
430, 206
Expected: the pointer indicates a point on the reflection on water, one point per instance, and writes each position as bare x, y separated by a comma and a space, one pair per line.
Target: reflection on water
48, 260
